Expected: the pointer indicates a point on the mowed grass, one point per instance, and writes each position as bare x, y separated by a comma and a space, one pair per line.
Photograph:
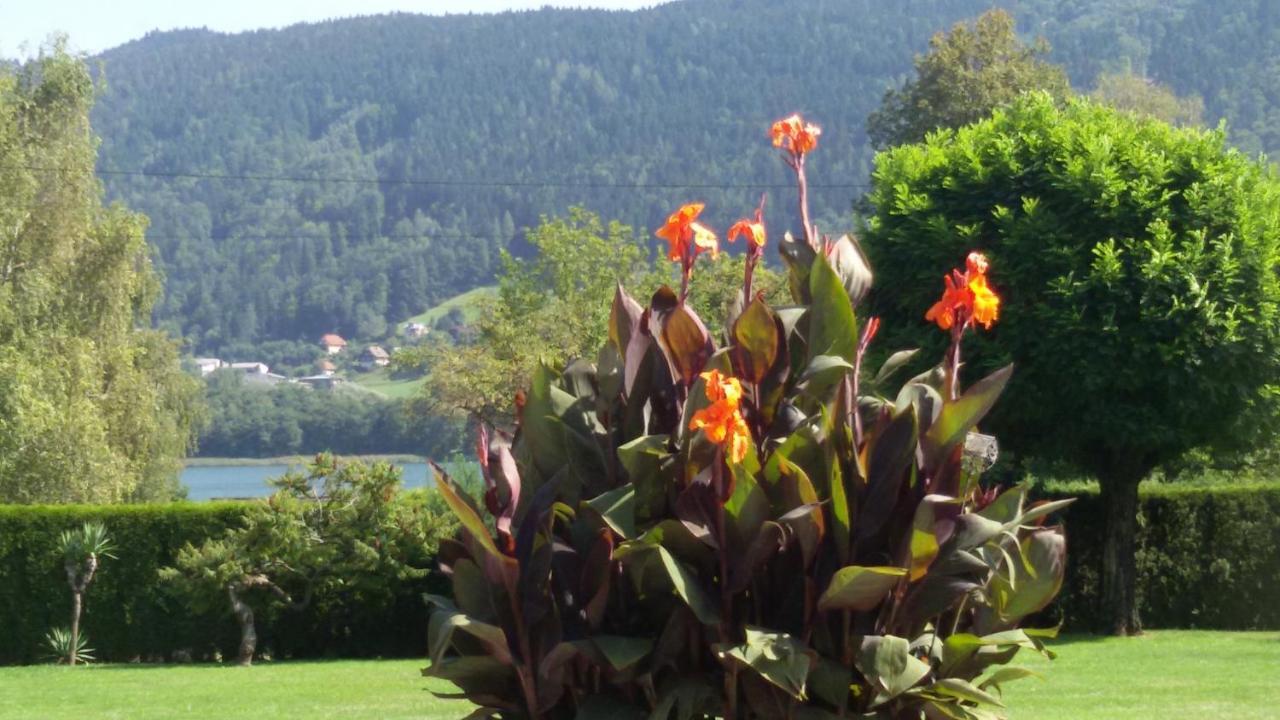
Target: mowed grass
356, 689
1164, 674
465, 302
381, 382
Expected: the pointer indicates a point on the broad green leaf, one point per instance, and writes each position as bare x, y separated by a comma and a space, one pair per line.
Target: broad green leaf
823, 373
852, 267
924, 534
973, 530
1046, 551
540, 428
893, 364
747, 508
624, 319
618, 508
622, 652
859, 588
890, 454
467, 517
687, 587
963, 690
833, 330
1042, 510
757, 339
842, 522
444, 624
1008, 506
887, 661
959, 417
799, 258
777, 657
685, 341
1005, 674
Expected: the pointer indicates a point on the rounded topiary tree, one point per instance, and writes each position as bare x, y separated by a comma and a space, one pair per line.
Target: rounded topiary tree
1139, 264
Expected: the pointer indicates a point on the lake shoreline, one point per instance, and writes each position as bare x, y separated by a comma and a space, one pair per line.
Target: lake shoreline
292, 460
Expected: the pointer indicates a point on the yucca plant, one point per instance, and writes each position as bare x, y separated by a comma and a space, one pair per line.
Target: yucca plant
757, 528
63, 649
82, 550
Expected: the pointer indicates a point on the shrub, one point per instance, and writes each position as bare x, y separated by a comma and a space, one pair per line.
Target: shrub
1140, 261
1207, 557
752, 531
336, 532
133, 615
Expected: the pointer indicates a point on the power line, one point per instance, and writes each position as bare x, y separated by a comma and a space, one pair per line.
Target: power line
433, 182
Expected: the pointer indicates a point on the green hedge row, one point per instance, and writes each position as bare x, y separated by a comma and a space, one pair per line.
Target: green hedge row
1208, 557
130, 615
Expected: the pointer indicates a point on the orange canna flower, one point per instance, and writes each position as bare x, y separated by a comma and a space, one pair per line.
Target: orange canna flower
967, 297
986, 304
722, 421
943, 312
681, 229
795, 135
754, 231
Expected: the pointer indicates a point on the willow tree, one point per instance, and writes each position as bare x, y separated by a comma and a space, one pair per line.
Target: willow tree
1140, 261
93, 405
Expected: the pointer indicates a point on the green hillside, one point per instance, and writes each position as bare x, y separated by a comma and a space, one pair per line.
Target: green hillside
336, 176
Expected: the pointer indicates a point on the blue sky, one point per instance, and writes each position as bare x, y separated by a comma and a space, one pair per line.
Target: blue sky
94, 25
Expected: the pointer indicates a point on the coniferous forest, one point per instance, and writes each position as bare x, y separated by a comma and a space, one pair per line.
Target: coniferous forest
345, 175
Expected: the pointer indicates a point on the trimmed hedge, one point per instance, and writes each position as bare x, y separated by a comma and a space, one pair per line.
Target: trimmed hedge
1207, 557
130, 615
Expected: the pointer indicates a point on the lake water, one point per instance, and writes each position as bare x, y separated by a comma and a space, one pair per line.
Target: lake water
207, 482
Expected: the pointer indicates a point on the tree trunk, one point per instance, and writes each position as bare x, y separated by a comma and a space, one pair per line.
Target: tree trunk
1119, 567
76, 601
248, 633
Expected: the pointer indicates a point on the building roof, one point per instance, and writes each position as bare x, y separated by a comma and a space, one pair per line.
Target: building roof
326, 365
333, 340
376, 351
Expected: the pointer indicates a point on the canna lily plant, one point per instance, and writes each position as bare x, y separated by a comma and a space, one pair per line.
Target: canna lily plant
753, 526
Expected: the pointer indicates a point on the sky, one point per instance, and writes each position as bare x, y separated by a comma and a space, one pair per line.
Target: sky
95, 25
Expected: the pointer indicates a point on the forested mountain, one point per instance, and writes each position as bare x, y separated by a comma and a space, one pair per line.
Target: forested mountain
479, 124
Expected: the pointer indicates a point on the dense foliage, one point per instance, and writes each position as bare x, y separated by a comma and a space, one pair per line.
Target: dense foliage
93, 405
1144, 258
338, 535
251, 420
412, 97
752, 530
968, 72
132, 614
1208, 556
551, 308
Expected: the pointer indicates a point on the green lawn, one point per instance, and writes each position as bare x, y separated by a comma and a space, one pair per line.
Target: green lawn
1165, 675
381, 382
466, 302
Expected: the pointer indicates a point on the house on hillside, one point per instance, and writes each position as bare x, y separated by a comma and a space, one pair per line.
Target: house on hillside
321, 382
375, 356
207, 366
415, 330
251, 368
333, 343
258, 373
326, 368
